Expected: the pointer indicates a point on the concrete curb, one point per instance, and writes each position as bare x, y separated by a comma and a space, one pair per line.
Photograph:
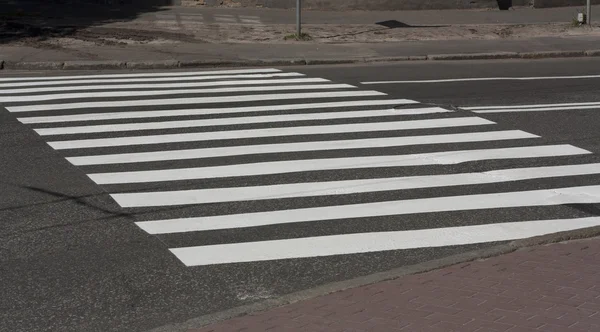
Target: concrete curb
475, 56
378, 277
174, 64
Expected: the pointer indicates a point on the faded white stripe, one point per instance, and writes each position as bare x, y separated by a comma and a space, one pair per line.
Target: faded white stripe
157, 79
312, 189
226, 121
116, 94
161, 86
148, 75
199, 100
269, 132
228, 110
558, 196
290, 166
138, 157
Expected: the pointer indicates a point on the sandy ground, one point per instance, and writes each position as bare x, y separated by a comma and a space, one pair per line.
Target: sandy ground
172, 32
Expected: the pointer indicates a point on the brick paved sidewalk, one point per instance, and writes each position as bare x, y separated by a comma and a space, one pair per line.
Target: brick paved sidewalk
546, 288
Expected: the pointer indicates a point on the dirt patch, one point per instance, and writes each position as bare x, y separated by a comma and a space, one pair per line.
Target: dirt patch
141, 33
232, 33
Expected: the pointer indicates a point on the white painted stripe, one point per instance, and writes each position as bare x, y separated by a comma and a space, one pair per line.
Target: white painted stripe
225, 121
162, 85
197, 100
150, 75
542, 109
479, 79
115, 94
228, 110
124, 158
312, 189
269, 132
157, 79
290, 166
473, 108
558, 196
374, 242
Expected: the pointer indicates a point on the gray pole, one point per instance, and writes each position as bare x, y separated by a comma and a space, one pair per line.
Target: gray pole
299, 18
588, 13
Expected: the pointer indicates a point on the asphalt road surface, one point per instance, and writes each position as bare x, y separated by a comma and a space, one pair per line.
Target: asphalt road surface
133, 200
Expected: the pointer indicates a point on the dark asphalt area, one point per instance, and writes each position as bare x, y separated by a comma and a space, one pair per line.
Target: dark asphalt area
73, 260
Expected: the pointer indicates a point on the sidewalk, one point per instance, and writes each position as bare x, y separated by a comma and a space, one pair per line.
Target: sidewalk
176, 37
193, 55
518, 15
544, 288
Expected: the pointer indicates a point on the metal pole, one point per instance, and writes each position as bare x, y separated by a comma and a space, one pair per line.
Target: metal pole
299, 18
589, 13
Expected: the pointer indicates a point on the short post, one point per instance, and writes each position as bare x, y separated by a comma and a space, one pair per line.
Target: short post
299, 19
588, 13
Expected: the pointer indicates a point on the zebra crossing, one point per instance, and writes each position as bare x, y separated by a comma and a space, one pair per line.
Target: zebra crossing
246, 149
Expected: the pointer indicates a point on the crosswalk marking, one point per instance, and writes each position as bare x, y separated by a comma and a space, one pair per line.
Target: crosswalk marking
156, 141
573, 195
56, 96
228, 110
197, 100
309, 189
231, 121
144, 75
373, 242
291, 166
164, 85
297, 147
154, 79
270, 132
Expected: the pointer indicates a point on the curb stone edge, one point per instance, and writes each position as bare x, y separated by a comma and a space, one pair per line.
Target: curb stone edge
174, 64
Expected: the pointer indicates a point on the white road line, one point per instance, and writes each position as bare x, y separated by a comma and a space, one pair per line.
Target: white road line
546, 197
149, 75
479, 79
542, 109
533, 108
225, 121
473, 108
162, 85
313, 189
157, 79
124, 158
228, 110
129, 93
269, 132
290, 166
197, 100
374, 242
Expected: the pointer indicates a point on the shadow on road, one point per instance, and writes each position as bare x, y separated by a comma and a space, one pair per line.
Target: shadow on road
37, 20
